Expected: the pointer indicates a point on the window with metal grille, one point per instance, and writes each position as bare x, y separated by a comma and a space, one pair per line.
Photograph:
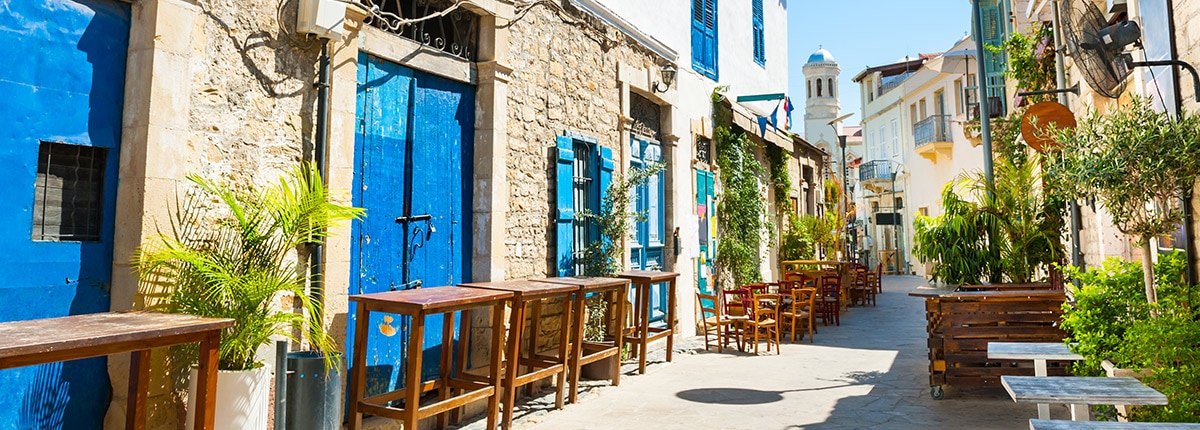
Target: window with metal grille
68, 196
584, 178
704, 37
456, 32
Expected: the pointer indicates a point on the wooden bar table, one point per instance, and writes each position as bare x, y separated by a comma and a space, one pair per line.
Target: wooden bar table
532, 294
643, 334
1039, 352
418, 304
614, 290
31, 342
1080, 392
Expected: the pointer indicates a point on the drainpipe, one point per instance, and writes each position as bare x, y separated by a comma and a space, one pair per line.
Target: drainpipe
317, 268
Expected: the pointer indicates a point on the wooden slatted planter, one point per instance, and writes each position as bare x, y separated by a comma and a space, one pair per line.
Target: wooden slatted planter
962, 321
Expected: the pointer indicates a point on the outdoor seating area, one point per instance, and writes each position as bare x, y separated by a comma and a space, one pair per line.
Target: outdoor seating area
515, 360
763, 312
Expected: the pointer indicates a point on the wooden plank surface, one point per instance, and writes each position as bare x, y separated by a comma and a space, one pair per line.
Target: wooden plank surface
588, 283
648, 276
1081, 390
90, 330
1031, 351
430, 299
1105, 425
525, 289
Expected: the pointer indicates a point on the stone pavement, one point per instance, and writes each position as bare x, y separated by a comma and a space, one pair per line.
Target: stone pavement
870, 372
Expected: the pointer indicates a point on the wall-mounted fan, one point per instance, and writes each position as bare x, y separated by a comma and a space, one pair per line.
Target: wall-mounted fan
1098, 49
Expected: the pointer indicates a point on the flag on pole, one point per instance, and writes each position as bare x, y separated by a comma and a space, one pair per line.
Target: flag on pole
762, 127
787, 111
774, 117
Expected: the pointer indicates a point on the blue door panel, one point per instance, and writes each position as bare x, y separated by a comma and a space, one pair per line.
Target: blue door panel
649, 233
413, 151
64, 83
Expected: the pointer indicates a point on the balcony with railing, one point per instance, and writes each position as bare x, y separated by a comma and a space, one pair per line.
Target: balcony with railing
932, 138
875, 174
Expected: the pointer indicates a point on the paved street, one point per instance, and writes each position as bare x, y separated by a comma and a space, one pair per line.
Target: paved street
871, 372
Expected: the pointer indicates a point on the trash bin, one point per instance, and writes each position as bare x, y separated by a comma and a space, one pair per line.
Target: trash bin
314, 396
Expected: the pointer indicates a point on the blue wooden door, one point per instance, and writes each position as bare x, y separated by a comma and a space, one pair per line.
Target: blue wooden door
704, 212
63, 84
647, 249
413, 167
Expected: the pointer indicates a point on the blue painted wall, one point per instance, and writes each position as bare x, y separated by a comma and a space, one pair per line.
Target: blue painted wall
414, 157
62, 81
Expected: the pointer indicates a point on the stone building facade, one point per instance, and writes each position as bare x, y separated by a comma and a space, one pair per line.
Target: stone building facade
225, 89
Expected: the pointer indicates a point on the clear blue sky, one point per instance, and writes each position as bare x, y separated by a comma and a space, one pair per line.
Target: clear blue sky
867, 33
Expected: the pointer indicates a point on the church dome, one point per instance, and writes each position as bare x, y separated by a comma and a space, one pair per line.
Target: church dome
820, 56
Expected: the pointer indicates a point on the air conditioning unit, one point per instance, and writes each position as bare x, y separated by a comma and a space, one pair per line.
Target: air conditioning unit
324, 19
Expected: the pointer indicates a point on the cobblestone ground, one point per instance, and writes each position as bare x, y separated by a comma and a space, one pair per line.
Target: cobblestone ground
870, 372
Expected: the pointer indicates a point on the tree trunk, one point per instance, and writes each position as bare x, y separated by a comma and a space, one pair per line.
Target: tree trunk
1148, 271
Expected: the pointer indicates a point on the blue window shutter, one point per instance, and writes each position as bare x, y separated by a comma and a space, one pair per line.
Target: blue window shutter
606, 173
704, 37
760, 50
565, 218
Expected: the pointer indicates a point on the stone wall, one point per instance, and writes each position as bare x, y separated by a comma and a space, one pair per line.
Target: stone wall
564, 79
214, 88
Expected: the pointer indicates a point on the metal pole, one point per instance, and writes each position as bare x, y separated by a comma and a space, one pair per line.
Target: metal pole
981, 86
895, 229
1060, 79
845, 195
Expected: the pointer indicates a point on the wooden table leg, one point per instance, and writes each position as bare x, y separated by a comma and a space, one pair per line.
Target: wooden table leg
206, 383
412, 376
671, 318
444, 368
1081, 413
139, 384
516, 324
358, 378
460, 367
577, 344
619, 342
563, 337
494, 370
643, 325
535, 321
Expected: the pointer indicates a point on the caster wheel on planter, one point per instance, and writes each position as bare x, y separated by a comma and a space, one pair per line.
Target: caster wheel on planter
937, 393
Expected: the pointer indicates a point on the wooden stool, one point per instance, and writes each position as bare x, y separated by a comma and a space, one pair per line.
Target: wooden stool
537, 366
614, 291
418, 304
643, 334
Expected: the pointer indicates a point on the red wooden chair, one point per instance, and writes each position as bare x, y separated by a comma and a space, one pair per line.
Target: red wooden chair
829, 302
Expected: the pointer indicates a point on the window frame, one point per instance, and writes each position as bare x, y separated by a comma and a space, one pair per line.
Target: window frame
758, 28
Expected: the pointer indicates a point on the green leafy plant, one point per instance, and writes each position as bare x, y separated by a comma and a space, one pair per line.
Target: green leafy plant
781, 178
956, 241
1030, 60
796, 242
238, 265
606, 257
1137, 161
741, 207
1109, 319
1021, 222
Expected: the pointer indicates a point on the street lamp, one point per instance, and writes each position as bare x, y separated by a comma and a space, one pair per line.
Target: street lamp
845, 203
896, 224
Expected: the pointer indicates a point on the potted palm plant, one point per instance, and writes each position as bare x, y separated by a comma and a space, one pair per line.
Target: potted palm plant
235, 260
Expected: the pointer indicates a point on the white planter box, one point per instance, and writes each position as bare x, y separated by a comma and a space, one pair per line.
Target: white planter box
243, 399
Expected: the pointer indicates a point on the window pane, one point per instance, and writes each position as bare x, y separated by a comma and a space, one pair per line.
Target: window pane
68, 194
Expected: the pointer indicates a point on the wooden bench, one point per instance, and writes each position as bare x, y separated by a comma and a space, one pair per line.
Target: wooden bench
1039, 352
1106, 425
1080, 392
49, 340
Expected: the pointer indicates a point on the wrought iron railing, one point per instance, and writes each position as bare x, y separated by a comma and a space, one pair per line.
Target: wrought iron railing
935, 128
875, 170
440, 24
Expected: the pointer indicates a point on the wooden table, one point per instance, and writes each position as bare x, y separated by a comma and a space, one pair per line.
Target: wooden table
643, 334
1081, 391
614, 290
454, 389
532, 294
1106, 425
75, 337
1039, 352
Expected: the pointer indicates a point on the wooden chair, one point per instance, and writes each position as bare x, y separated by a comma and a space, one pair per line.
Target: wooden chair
829, 301
801, 309
716, 324
863, 290
763, 322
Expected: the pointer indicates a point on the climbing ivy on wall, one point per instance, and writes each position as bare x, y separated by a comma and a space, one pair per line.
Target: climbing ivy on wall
741, 207
781, 178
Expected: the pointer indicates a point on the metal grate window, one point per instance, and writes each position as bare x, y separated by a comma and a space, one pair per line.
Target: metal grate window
68, 195
583, 179
455, 33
